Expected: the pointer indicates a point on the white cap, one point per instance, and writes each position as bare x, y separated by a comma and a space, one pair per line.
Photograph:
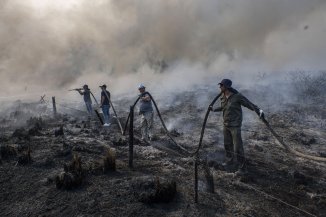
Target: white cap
141, 86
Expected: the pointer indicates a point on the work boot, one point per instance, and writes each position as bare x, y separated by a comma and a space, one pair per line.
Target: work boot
227, 163
143, 139
152, 138
241, 171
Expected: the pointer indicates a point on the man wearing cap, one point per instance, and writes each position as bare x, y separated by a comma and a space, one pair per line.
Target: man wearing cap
231, 103
87, 98
146, 113
105, 105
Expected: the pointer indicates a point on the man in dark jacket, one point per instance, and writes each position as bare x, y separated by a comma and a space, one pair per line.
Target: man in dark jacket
105, 105
146, 113
86, 92
231, 103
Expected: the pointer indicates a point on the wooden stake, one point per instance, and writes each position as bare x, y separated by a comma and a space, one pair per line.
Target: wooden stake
54, 107
131, 137
196, 180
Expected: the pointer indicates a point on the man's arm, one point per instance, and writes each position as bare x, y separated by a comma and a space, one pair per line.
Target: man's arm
146, 98
246, 103
102, 100
80, 92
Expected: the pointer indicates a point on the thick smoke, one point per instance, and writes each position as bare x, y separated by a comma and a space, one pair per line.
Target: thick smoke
167, 44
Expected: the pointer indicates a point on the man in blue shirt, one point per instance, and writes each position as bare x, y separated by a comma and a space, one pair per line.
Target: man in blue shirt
105, 105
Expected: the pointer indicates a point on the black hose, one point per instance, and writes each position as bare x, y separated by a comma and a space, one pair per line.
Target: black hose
93, 97
204, 124
163, 124
166, 130
200, 144
95, 110
116, 117
98, 116
107, 96
288, 148
159, 114
126, 124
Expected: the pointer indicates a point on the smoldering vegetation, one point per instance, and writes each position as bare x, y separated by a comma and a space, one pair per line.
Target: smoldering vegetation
68, 165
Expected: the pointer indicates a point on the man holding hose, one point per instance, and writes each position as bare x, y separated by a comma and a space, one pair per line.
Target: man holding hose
231, 103
87, 98
146, 113
105, 105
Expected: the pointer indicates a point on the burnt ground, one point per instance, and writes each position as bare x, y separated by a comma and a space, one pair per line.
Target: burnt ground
28, 185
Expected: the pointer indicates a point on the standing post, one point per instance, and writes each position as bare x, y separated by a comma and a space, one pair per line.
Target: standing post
196, 180
54, 107
131, 137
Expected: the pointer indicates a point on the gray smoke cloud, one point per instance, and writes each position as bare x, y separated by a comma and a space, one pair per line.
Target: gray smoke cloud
163, 43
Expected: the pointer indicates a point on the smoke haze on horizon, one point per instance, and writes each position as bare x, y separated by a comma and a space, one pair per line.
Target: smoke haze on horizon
46, 45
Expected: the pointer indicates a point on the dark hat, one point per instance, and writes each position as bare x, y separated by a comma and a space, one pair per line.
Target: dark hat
85, 86
104, 86
226, 83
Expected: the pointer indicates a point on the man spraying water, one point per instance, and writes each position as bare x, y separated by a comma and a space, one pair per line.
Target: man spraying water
231, 103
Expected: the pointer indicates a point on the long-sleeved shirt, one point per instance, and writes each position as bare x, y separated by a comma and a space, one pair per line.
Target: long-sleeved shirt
232, 111
87, 95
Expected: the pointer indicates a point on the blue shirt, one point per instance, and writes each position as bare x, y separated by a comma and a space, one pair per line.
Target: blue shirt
106, 100
145, 106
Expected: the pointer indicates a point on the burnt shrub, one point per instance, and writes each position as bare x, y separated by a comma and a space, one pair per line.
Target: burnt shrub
154, 190
66, 180
21, 134
25, 157
59, 131
109, 159
36, 122
7, 151
72, 176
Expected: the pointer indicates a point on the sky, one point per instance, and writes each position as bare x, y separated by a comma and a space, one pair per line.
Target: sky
166, 44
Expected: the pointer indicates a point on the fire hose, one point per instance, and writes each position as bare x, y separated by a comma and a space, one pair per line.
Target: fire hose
161, 119
204, 124
126, 124
288, 148
197, 161
166, 130
115, 113
164, 126
278, 138
96, 112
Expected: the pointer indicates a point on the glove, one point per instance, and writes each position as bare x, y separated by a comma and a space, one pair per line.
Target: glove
210, 108
261, 113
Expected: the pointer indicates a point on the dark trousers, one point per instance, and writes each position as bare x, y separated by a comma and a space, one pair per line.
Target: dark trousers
233, 145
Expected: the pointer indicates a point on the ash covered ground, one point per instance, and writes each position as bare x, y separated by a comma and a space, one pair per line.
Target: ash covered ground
67, 166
